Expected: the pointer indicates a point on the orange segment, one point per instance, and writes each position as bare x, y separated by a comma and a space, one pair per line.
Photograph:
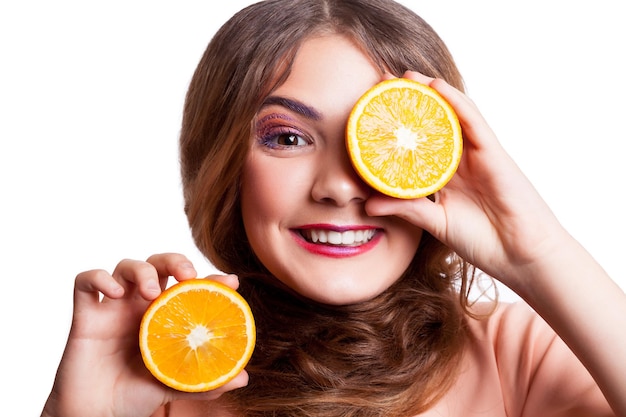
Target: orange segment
404, 139
197, 335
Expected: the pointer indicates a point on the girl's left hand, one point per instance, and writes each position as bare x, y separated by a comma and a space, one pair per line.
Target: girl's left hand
489, 212
491, 215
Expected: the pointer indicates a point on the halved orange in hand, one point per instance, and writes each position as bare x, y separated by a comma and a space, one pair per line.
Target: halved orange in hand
197, 335
404, 139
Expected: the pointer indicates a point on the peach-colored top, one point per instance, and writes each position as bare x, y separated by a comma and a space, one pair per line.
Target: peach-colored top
515, 366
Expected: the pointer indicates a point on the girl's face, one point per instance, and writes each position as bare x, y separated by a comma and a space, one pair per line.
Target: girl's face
302, 202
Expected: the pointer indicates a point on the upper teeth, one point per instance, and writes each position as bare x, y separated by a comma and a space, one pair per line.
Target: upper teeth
349, 237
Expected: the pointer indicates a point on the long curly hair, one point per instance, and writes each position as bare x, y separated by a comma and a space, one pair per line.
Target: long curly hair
396, 354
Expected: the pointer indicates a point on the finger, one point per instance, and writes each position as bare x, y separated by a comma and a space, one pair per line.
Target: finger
418, 76
138, 277
231, 280
173, 265
420, 212
473, 124
89, 285
411, 75
240, 381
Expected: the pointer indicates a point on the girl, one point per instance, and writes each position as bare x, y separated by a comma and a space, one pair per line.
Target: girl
374, 317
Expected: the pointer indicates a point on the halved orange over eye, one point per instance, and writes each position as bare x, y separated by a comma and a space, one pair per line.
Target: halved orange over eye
404, 139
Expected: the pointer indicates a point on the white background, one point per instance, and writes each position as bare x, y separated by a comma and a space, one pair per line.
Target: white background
90, 105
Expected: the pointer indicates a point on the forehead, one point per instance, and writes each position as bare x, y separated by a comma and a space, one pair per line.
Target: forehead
329, 71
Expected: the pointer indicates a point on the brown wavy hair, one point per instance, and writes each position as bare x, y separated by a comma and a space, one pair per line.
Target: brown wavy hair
396, 354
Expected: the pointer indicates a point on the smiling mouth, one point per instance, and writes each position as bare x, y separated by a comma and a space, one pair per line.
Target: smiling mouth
332, 237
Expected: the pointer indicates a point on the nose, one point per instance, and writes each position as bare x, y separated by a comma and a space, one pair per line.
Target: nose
337, 182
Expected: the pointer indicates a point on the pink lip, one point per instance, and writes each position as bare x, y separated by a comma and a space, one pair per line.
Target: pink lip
334, 251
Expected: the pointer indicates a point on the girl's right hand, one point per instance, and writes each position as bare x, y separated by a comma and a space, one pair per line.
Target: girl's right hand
102, 372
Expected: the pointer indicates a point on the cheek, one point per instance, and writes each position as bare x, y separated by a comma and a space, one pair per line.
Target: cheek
269, 196
273, 187
407, 239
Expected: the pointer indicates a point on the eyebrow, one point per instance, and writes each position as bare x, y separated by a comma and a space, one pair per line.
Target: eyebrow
293, 105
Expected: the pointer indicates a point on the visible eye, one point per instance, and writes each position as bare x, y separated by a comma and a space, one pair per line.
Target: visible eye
282, 138
289, 139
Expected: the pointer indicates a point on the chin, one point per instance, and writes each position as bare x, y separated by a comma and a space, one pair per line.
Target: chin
341, 295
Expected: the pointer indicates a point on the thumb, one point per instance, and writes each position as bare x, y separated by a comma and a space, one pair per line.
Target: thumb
421, 212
